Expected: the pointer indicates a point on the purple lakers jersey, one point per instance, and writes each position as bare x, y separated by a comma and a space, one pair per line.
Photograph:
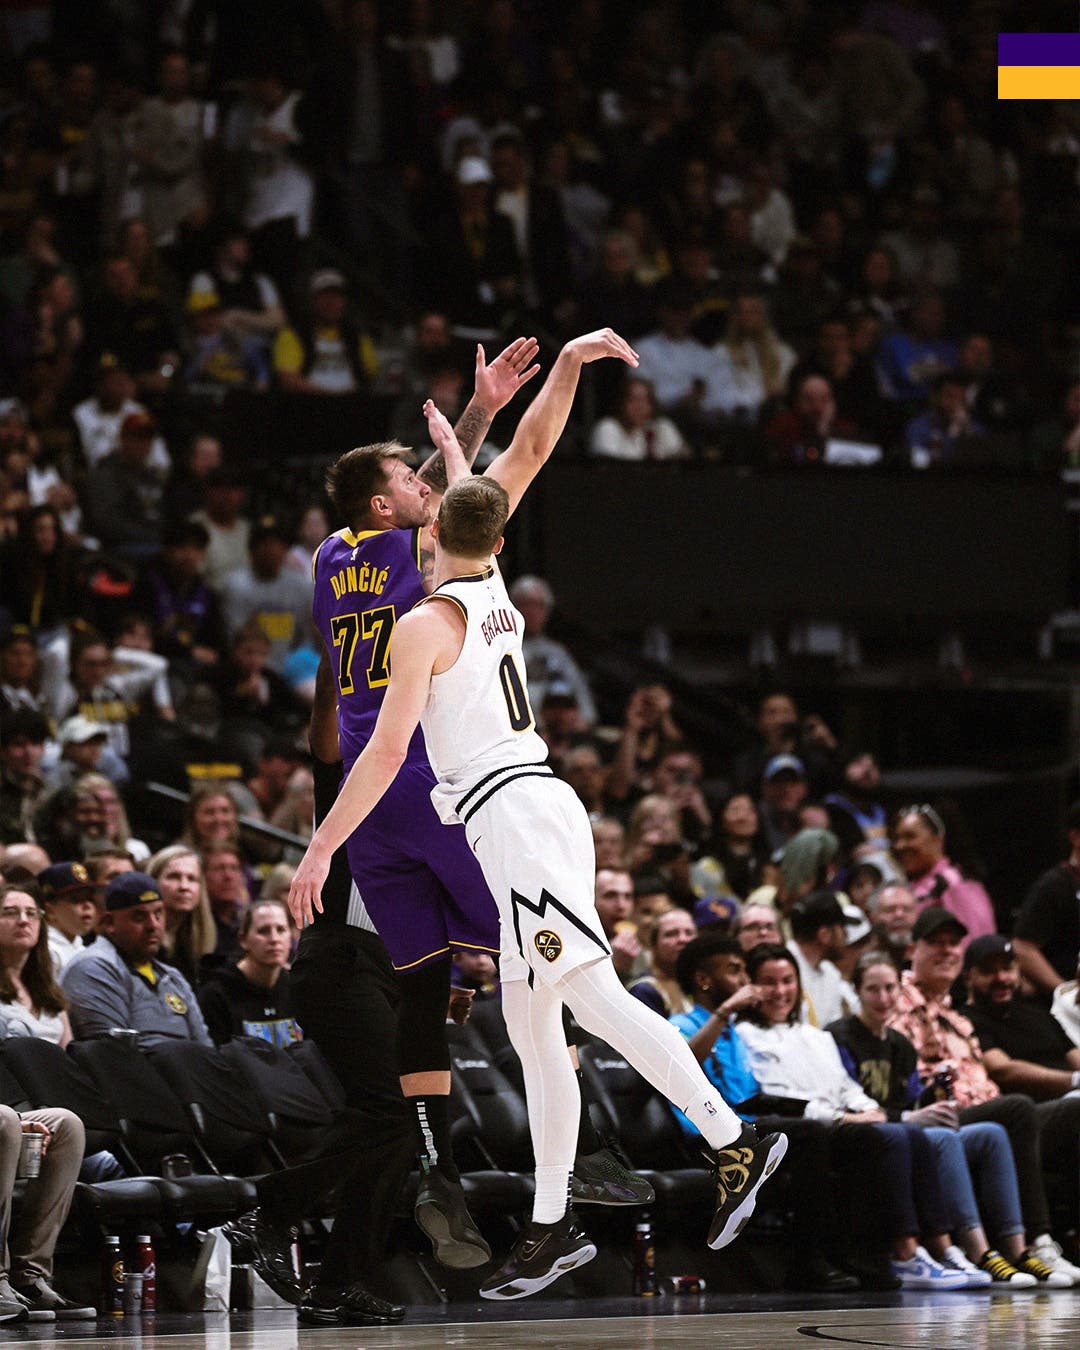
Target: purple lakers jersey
364, 583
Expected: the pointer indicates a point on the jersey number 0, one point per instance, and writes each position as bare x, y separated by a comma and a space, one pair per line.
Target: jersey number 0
517, 701
347, 629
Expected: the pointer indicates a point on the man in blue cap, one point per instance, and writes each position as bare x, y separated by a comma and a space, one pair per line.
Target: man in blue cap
119, 982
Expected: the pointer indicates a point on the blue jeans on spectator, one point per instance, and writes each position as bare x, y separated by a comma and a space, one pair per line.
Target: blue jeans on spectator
912, 1200
981, 1153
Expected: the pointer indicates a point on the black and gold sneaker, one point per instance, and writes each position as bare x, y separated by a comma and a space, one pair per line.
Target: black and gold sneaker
741, 1169
602, 1178
541, 1254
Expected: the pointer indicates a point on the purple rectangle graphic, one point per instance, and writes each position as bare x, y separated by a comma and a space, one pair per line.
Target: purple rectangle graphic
1039, 49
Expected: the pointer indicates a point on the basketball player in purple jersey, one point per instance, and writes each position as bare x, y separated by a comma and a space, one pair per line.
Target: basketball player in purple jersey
422, 887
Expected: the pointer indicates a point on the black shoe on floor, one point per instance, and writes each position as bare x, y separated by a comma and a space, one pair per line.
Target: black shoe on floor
816, 1275
351, 1307
603, 1178
440, 1211
541, 1254
268, 1245
741, 1168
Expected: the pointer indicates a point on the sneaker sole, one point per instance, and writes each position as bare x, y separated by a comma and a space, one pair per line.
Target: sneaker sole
523, 1288
329, 1317
741, 1214
448, 1250
929, 1284
593, 1196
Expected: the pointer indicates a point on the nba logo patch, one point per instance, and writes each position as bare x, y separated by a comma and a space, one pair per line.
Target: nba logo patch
548, 944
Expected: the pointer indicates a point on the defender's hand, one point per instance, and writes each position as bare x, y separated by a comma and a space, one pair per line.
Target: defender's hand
497, 384
604, 342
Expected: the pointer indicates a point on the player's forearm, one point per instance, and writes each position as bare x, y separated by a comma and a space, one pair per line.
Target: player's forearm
470, 430
545, 419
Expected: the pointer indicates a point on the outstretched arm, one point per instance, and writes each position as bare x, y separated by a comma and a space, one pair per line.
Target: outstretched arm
496, 385
420, 640
545, 419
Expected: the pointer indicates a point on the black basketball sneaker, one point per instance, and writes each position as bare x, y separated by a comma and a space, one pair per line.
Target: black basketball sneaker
541, 1254
741, 1169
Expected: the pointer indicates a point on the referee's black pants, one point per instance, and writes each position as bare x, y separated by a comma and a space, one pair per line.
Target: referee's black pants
344, 995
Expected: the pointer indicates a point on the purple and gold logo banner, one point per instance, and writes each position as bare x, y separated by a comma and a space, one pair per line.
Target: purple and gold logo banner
1039, 65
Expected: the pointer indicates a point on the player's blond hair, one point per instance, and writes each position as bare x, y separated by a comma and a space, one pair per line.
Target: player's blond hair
472, 517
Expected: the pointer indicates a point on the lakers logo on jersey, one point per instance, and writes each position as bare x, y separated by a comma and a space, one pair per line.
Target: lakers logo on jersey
548, 944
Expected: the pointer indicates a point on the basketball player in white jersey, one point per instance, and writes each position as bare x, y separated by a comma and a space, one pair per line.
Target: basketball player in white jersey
457, 669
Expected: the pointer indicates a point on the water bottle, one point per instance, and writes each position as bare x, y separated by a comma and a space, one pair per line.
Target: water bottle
146, 1266
644, 1260
112, 1279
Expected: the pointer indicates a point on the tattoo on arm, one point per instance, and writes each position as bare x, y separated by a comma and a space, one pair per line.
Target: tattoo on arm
427, 563
471, 428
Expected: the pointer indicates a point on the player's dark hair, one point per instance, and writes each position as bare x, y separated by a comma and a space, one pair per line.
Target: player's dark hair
358, 475
472, 517
695, 954
755, 959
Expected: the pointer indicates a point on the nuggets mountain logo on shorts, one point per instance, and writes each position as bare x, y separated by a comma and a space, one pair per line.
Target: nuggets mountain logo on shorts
175, 1004
548, 944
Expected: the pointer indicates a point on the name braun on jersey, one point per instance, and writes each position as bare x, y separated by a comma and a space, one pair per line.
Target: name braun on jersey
498, 621
363, 578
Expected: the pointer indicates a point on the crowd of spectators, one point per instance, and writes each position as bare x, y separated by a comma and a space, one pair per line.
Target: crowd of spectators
829, 243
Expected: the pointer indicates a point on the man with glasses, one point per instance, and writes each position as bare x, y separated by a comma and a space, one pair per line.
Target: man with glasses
757, 923
919, 846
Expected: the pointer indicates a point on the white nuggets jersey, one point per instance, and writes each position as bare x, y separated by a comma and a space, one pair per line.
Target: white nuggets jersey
478, 721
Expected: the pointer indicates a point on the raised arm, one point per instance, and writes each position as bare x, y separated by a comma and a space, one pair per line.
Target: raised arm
545, 419
444, 439
496, 385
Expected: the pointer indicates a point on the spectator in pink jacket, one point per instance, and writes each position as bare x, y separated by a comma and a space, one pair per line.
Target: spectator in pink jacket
919, 845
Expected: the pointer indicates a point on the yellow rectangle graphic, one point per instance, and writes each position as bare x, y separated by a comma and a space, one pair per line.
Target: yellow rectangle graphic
1039, 82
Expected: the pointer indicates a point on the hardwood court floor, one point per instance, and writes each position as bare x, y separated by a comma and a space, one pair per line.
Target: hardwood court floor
1039, 1321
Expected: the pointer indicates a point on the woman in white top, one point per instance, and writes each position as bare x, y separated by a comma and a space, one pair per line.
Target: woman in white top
794, 1060
635, 431
753, 361
31, 1003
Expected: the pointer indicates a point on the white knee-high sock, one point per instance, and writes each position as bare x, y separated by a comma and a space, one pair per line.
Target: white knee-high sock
651, 1044
534, 1022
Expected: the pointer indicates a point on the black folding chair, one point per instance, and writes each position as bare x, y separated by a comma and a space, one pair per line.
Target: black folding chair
50, 1077
231, 1124
46, 1076
156, 1129
298, 1111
